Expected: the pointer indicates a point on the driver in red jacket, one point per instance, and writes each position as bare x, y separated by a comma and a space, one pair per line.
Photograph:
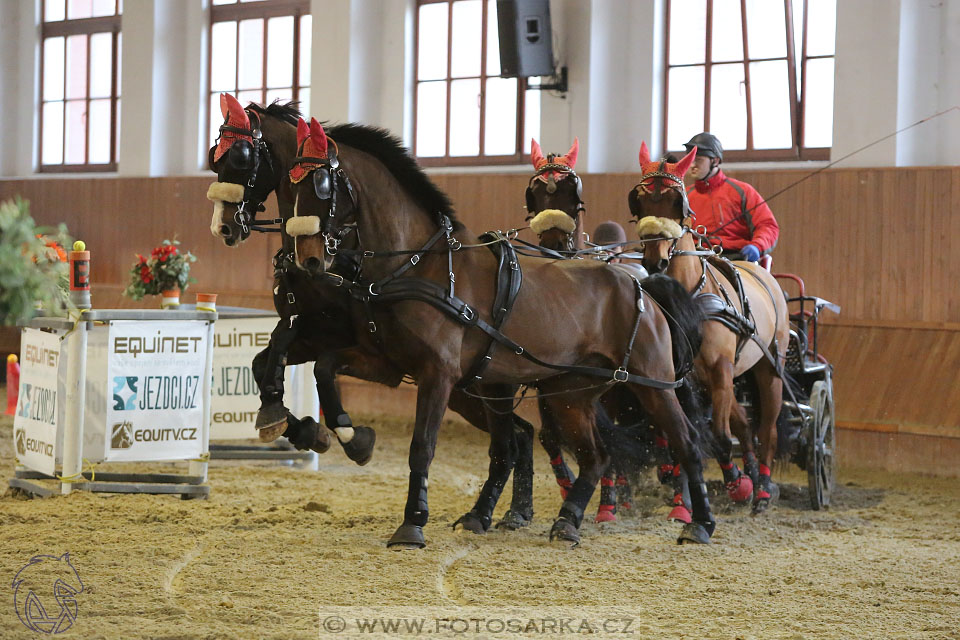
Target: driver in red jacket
732, 211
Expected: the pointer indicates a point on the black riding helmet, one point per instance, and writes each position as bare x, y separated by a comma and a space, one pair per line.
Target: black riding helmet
707, 146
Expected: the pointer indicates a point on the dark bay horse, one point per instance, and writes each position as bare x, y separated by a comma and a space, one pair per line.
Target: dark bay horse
429, 299
744, 334
246, 177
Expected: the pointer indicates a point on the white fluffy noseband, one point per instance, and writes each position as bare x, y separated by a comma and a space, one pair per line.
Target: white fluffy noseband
225, 192
303, 226
552, 219
654, 226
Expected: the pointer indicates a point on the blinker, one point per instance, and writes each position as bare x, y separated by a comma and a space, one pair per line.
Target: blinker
240, 155
322, 183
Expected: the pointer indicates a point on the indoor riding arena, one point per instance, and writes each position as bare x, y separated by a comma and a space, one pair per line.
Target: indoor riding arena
480, 318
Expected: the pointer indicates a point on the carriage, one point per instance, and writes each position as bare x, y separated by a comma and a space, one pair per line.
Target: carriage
806, 428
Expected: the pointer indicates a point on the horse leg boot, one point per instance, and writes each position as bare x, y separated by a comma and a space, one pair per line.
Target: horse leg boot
503, 456
520, 513
607, 511
272, 416
357, 441
433, 394
550, 440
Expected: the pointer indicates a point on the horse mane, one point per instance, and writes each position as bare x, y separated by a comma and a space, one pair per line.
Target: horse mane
386, 148
288, 112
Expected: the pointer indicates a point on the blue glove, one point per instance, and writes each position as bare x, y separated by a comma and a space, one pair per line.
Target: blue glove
750, 253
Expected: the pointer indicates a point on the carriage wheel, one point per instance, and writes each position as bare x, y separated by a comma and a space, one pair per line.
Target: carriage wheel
821, 462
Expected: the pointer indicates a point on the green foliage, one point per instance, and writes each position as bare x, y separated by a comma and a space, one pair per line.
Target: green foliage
166, 268
33, 264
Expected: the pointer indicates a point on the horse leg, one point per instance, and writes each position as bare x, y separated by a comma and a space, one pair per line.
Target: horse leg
503, 456
550, 440
665, 410
357, 441
270, 363
433, 394
770, 390
578, 422
624, 492
739, 485
521, 507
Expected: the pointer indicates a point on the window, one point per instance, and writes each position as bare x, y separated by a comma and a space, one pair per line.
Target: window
80, 85
260, 52
732, 70
465, 112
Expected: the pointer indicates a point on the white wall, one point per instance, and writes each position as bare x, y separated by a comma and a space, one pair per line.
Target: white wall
897, 62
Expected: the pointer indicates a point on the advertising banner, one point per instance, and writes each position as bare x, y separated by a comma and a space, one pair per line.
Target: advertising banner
236, 396
155, 373
39, 406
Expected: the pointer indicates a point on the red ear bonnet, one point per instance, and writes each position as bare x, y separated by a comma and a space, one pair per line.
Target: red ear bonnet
536, 154
234, 116
312, 143
686, 161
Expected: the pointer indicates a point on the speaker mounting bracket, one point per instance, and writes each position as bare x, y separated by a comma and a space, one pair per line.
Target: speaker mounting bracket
559, 82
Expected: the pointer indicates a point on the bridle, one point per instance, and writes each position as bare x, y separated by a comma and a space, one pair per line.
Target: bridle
328, 175
565, 170
250, 154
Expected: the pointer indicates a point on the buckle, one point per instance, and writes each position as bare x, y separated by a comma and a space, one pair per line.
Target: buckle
620, 375
468, 314
292, 299
371, 291
372, 326
414, 259
335, 276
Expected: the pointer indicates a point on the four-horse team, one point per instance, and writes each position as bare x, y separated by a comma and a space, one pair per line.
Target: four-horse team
651, 352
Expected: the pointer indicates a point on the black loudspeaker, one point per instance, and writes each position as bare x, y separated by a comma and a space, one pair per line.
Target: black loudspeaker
526, 38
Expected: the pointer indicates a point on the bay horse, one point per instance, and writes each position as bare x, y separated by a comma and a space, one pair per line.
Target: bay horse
433, 306
747, 331
556, 210
256, 147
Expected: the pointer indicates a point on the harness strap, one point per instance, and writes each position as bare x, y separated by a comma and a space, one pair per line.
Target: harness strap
433, 294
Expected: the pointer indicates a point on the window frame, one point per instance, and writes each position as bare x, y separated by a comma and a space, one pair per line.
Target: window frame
72, 27
263, 9
797, 105
447, 160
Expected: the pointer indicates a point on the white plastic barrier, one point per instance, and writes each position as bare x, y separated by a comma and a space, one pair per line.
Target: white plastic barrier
120, 385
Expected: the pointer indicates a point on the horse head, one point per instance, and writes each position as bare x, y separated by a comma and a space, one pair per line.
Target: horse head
324, 199
554, 198
659, 203
254, 148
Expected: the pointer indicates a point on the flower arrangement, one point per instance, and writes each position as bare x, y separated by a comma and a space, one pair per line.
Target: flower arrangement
33, 264
166, 269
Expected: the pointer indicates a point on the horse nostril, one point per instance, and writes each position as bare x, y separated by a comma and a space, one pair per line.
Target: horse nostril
225, 230
312, 264
662, 264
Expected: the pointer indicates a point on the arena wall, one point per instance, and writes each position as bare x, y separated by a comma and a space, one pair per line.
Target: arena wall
878, 242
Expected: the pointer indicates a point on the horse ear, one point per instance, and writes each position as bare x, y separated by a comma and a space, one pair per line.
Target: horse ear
686, 161
233, 111
644, 153
303, 131
536, 153
572, 154
318, 139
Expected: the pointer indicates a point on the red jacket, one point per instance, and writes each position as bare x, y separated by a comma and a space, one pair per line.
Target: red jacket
719, 206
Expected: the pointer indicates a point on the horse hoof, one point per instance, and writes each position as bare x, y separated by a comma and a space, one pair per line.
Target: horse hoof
271, 421
680, 514
470, 522
566, 531
407, 536
605, 514
307, 434
693, 533
360, 447
741, 489
270, 432
764, 499
513, 520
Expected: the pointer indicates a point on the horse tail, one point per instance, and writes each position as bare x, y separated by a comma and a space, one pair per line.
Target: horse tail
692, 396
630, 442
684, 316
